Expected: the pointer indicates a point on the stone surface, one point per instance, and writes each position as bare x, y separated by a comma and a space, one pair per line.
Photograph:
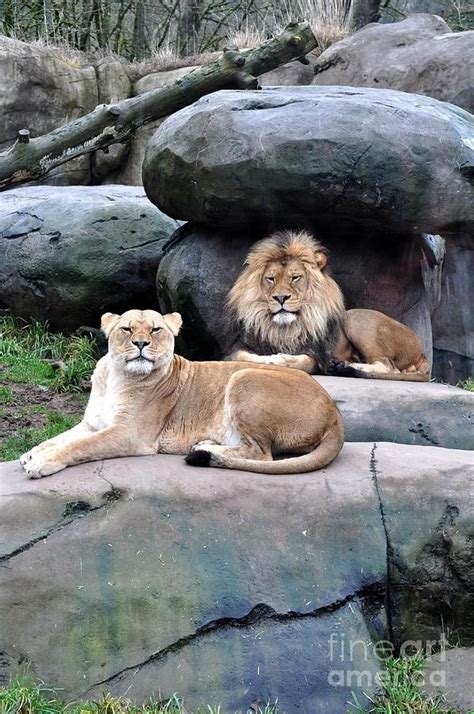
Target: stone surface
36, 76
404, 412
420, 54
453, 320
289, 156
150, 575
201, 265
69, 254
451, 672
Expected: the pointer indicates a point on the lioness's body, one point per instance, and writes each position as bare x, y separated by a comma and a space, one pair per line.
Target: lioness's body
156, 401
285, 309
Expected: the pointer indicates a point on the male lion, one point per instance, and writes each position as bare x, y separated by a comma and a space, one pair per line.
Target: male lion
145, 399
286, 310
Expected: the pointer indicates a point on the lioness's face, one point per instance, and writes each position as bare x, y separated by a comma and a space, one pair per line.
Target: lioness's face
141, 340
284, 285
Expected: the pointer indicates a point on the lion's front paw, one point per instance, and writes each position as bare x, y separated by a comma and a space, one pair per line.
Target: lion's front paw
38, 463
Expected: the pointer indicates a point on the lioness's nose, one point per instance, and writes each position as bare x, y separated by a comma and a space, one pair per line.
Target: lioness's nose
281, 298
140, 343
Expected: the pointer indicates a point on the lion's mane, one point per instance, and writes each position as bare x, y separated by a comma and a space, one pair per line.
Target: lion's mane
320, 319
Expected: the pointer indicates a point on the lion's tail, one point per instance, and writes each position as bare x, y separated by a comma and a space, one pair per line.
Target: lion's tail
326, 451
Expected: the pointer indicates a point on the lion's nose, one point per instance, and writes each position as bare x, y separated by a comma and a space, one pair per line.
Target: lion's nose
281, 298
140, 344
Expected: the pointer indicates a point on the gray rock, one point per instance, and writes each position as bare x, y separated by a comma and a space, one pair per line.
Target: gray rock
451, 672
453, 320
404, 412
420, 54
149, 575
201, 265
64, 88
69, 254
289, 156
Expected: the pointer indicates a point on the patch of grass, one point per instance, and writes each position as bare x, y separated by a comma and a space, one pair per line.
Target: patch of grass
6, 395
13, 446
25, 696
35, 356
468, 384
401, 691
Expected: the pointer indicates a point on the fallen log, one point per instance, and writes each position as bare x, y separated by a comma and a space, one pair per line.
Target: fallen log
30, 159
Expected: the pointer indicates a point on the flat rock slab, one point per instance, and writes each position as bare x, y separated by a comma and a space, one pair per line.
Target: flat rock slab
143, 574
69, 254
292, 156
403, 412
451, 672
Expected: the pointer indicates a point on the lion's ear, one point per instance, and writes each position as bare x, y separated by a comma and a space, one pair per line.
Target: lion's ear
174, 322
321, 259
107, 322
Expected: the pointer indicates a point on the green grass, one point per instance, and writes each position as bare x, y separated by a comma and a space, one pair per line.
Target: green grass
401, 692
6, 395
25, 696
35, 356
468, 384
13, 446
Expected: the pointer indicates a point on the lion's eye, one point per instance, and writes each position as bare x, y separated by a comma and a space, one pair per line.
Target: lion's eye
155, 329
126, 329
270, 279
295, 278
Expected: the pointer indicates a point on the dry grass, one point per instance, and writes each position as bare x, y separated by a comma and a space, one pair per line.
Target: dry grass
165, 60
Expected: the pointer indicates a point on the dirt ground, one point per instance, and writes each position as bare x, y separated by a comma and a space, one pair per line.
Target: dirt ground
30, 405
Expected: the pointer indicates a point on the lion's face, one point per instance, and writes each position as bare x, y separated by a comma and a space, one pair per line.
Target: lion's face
284, 286
141, 340
284, 297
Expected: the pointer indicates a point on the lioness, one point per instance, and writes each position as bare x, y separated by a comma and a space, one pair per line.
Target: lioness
285, 309
145, 399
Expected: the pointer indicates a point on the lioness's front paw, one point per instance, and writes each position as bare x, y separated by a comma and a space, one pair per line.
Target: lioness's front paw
38, 463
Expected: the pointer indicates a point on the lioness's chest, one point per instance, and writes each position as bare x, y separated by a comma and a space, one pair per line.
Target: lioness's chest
103, 411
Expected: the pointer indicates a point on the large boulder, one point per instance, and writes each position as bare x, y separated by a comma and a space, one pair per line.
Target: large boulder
41, 89
404, 412
420, 54
68, 254
316, 155
453, 320
145, 576
200, 266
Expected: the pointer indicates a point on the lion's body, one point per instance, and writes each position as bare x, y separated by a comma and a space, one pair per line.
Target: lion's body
244, 414
285, 309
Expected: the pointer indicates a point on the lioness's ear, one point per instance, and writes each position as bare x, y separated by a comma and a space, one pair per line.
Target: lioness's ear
107, 321
321, 259
174, 322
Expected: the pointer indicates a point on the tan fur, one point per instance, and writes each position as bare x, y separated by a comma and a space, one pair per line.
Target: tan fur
145, 399
365, 340
314, 297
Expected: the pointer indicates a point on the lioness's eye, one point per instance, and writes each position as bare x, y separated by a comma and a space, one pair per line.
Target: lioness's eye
126, 329
155, 329
270, 279
295, 278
